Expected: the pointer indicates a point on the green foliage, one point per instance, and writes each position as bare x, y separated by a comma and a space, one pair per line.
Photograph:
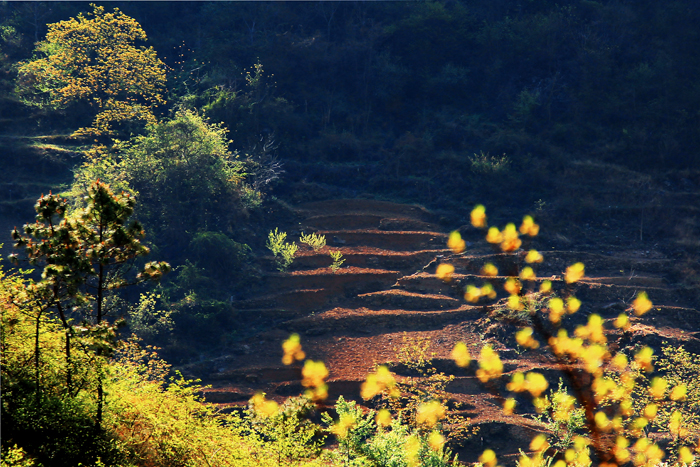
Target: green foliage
337, 258
147, 320
562, 429
314, 241
182, 170
289, 432
486, 164
95, 60
283, 252
363, 443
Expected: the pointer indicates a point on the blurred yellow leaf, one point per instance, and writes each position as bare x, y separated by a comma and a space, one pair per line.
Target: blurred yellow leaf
509, 406
489, 270
527, 274
460, 354
488, 458
494, 235
455, 242
436, 441
429, 413
574, 273
528, 227
679, 393
478, 216
292, 350
383, 418
641, 304
444, 272
534, 256
545, 287
472, 294
512, 286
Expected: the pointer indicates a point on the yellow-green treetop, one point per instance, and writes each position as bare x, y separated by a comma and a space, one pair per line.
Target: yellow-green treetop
95, 59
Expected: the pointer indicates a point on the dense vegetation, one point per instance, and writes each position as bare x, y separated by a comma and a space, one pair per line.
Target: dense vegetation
205, 135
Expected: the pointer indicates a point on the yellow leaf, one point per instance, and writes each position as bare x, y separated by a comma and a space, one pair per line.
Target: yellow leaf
444, 272
460, 354
455, 243
489, 270
494, 235
436, 441
534, 256
478, 216
383, 418
488, 458
527, 274
679, 393
574, 273
641, 304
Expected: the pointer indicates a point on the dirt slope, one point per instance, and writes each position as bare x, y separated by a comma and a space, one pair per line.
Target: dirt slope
359, 316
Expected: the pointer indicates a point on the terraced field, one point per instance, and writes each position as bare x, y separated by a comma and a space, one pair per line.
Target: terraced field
386, 293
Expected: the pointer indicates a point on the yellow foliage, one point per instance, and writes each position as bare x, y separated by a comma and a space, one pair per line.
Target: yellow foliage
263, 406
444, 272
641, 304
341, 428
488, 458
510, 242
509, 406
292, 350
381, 380
534, 256
383, 418
512, 286
472, 294
490, 365
527, 274
545, 287
494, 235
455, 243
460, 354
489, 270
528, 227
313, 377
478, 216
95, 59
574, 273
524, 338
436, 441
429, 413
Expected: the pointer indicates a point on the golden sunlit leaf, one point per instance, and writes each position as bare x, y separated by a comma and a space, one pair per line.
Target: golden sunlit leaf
643, 359
490, 365
489, 270
527, 274
460, 354
510, 241
262, 406
545, 287
444, 272
488, 458
525, 339
679, 393
472, 294
488, 291
572, 305
509, 406
539, 443
514, 303
292, 350
383, 418
478, 216
685, 455
641, 304
429, 413
436, 441
528, 227
512, 286
534, 256
622, 322
536, 383
455, 243
658, 386
574, 273
494, 235
650, 411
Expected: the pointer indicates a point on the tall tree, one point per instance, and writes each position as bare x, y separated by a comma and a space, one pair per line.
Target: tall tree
95, 59
86, 257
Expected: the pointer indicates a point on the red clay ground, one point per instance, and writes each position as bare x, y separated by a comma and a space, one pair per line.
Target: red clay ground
386, 291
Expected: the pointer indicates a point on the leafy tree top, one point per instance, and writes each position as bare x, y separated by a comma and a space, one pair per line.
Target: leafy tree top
95, 58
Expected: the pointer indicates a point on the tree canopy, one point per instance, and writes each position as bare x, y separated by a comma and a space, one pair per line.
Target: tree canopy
95, 59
